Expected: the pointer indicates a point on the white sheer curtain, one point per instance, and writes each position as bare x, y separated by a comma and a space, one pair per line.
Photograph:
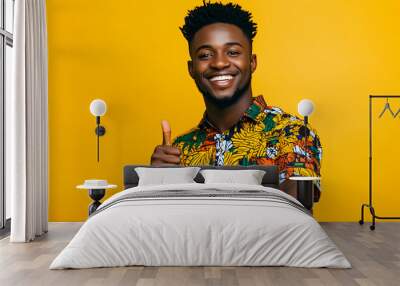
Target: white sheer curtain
26, 124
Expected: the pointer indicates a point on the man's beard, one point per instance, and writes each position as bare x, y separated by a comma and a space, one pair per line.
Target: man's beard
225, 102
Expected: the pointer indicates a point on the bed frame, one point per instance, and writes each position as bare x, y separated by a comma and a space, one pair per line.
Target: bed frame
270, 179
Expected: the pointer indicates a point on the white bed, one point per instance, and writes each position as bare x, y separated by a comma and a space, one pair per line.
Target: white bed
222, 225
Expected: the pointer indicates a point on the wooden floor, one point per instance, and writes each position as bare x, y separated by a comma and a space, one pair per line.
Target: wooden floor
375, 256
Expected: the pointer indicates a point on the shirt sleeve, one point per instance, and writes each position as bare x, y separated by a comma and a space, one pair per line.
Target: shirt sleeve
299, 156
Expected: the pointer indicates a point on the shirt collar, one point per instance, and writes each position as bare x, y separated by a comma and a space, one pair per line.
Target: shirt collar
258, 106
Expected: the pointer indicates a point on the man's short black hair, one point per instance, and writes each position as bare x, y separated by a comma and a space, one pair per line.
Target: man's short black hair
211, 13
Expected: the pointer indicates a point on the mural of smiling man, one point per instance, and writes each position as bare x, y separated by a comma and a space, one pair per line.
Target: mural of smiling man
236, 128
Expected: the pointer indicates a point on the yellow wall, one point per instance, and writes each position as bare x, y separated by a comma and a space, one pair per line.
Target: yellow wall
132, 55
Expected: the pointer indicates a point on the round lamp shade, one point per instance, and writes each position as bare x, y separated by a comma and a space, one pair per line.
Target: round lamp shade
305, 107
98, 107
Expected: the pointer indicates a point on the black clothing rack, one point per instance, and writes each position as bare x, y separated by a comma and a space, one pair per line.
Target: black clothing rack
370, 205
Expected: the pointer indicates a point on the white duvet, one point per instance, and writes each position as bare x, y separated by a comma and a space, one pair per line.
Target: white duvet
188, 231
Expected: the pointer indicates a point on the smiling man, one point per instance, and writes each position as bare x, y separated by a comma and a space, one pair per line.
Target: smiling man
236, 128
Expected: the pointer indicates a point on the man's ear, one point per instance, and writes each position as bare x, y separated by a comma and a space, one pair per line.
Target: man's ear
190, 68
253, 62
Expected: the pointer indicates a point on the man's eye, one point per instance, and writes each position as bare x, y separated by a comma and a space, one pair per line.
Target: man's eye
204, 56
233, 53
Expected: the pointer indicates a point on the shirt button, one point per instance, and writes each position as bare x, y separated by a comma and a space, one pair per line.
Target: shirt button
195, 138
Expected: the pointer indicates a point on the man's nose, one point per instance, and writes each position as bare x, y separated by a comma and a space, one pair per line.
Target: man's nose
220, 61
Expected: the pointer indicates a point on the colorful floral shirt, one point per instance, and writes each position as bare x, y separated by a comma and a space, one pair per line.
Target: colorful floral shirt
264, 135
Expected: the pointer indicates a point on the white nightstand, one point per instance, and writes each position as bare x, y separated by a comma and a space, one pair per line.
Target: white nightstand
97, 190
298, 178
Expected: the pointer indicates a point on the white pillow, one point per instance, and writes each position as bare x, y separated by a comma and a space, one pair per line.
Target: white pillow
162, 176
249, 177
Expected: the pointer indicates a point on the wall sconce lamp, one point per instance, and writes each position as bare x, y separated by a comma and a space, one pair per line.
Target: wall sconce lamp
305, 108
98, 108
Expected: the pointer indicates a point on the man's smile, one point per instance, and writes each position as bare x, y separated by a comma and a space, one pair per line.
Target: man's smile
222, 80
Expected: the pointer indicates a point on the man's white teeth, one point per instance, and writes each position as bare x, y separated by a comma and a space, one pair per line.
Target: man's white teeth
221, 77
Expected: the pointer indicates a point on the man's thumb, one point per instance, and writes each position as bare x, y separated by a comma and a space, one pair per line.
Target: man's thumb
166, 129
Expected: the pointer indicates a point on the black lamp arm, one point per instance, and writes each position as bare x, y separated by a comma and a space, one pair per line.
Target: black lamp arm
100, 131
306, 120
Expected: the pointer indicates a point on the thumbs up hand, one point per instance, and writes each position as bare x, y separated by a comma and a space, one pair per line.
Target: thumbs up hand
165, 154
